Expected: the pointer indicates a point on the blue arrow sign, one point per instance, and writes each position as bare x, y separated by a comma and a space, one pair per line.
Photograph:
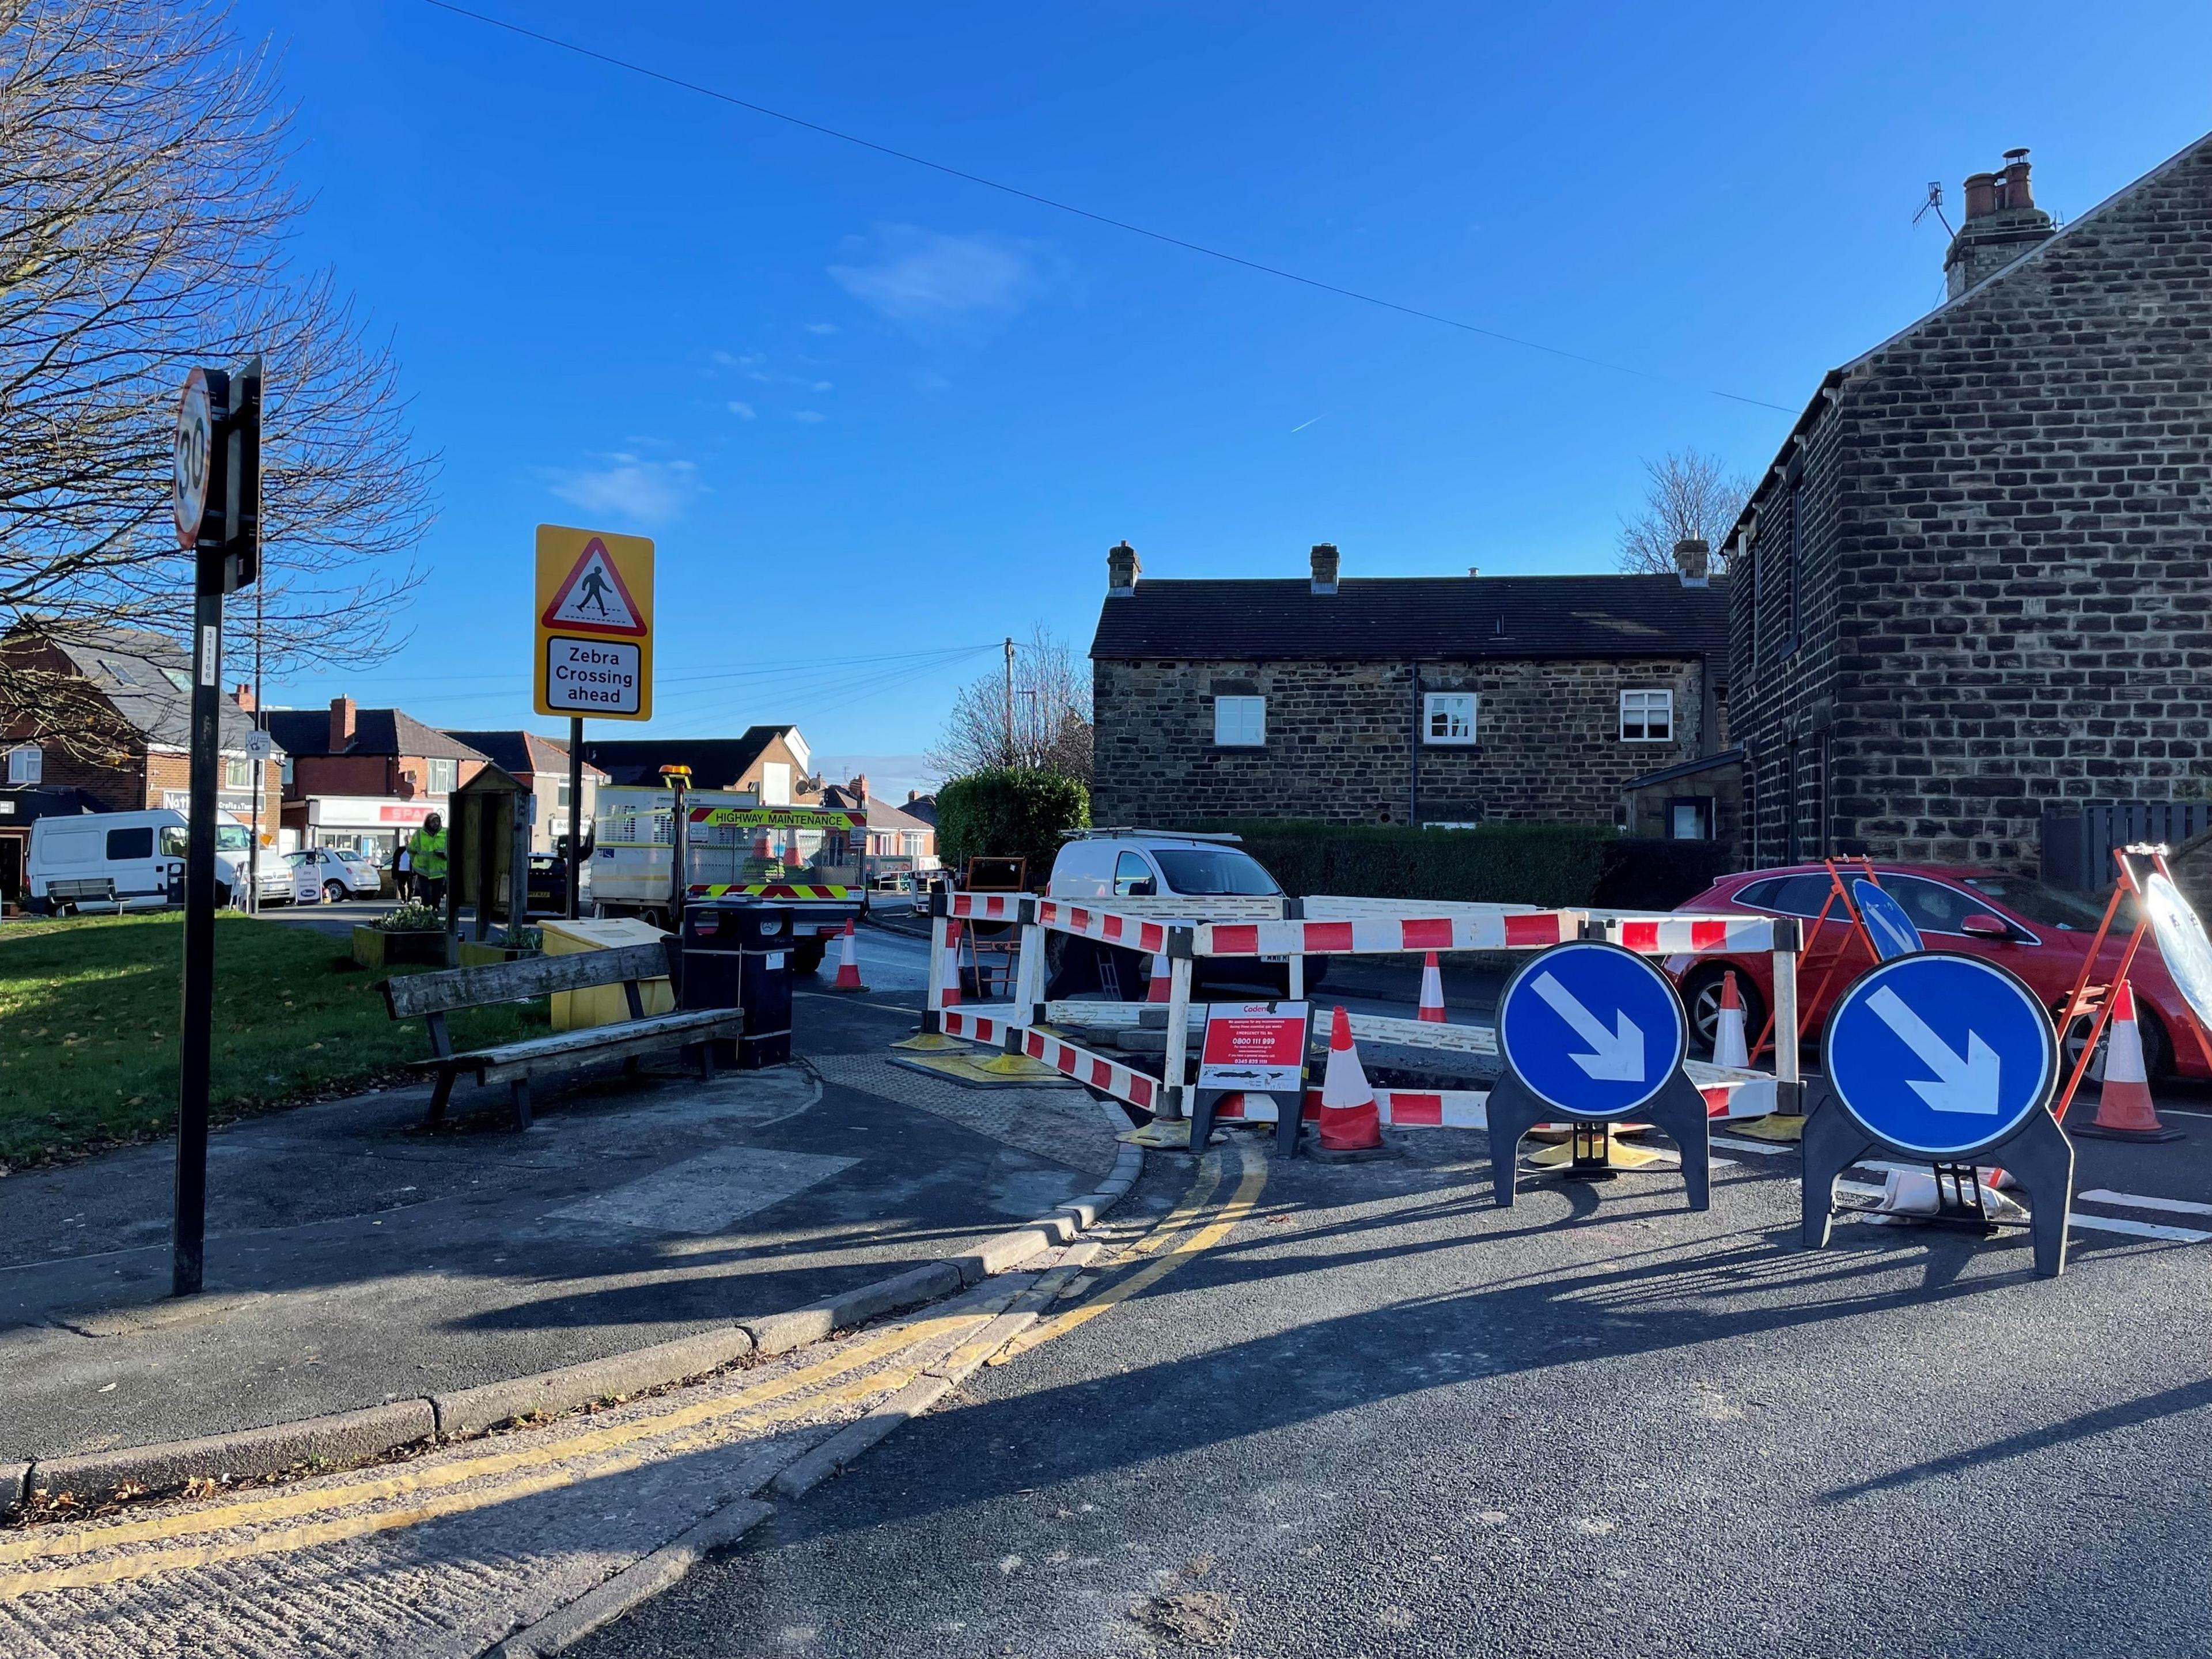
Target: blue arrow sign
1886, 924
1940, 1054
1594, 1030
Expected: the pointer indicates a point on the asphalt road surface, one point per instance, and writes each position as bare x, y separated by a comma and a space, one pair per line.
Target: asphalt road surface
1382, 1416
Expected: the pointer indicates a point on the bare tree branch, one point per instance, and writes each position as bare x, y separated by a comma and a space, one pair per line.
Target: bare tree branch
1690, 495
1051, 716
143, 225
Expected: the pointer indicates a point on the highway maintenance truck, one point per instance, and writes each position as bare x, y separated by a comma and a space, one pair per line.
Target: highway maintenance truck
806, 858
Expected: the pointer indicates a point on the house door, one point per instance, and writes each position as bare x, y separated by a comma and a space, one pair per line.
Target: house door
12, 868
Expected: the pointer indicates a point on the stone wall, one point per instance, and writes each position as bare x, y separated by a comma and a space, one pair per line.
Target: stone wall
1341, 741
2010, 584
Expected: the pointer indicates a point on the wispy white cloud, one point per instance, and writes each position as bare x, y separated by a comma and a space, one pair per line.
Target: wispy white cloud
810, 416
629, 487
927, 279
822, 328
742, 410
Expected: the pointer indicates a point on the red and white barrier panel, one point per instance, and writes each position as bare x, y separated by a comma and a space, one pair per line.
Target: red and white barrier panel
1133, 931
1728, 1096
1136, 1087
1654, 936
987, 907
1488, 932
974, 1026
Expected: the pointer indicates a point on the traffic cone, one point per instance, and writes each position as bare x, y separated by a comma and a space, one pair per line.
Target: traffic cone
949, 996
848, 963
1163, 985
1432, 991
1730, 1048
1349, 1120
2125, 1109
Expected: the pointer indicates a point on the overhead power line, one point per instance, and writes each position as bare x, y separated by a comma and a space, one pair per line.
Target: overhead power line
1057, 206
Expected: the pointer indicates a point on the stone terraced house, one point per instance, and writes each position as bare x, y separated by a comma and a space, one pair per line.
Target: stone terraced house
1974, 586
1432, 700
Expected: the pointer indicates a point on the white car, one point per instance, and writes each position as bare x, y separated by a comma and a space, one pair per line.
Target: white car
1105, 864
336, 874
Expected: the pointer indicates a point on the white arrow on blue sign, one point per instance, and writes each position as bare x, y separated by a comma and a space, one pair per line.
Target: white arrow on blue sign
1886, 924
1940, 1054
1592, 1028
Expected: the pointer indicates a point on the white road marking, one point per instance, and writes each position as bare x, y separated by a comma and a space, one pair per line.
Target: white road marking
2138, 1202
2112, 1224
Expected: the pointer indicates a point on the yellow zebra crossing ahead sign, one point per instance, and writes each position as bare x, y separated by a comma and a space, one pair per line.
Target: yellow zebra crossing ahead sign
594, 613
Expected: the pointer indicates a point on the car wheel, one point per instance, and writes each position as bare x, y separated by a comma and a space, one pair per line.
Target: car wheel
334, 892
806, 955
2157, 1050
1701, 999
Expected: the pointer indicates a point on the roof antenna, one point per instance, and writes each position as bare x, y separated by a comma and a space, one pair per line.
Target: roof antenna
1935, 203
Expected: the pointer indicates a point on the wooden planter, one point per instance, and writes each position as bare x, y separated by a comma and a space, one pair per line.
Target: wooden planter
374, 948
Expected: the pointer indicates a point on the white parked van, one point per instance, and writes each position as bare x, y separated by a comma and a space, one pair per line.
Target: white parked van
129, 859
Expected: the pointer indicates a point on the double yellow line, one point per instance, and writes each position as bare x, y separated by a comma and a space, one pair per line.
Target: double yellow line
528, 1466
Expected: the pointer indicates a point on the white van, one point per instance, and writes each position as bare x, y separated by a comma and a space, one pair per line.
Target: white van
128, 859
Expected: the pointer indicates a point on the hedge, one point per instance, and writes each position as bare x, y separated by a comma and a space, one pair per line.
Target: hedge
1009, 812
1553, 865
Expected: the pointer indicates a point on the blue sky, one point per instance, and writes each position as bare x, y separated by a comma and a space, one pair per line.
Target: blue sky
868, 411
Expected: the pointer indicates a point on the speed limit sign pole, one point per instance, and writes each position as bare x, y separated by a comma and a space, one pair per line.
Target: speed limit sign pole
215, 490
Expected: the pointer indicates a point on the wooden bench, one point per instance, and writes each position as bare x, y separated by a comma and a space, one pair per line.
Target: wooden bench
431, 997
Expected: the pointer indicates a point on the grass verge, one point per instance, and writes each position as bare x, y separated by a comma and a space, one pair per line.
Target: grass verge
88, 1018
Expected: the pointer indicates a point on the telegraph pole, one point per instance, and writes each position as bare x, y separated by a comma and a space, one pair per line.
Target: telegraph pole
215, 492
1010, 701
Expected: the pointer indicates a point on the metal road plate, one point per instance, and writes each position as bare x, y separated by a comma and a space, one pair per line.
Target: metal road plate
1886, 924
1940, 1054
2182, 942
1594, 1030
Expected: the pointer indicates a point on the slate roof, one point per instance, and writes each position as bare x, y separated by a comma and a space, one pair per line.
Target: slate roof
147, 676
521, 754
1408, 618
882, 814
375, 732
715, 762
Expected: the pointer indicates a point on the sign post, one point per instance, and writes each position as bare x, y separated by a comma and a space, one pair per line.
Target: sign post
594, 650
216, 495
1590, 1032
1948, 1061
1252, 1048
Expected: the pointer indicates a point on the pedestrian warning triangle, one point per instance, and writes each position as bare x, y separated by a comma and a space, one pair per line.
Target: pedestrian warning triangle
593, 597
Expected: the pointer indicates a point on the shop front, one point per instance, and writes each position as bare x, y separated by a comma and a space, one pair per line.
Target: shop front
372, 824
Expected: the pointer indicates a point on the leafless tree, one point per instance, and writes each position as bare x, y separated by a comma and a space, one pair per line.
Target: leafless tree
1051, 715
144, 221
1689, 494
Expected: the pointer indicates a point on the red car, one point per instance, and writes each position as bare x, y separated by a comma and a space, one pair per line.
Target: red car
2038, 933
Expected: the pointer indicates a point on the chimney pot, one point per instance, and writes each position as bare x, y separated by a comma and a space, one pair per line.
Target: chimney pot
1981, 195
342, 723
1324, 567
2002, 223
1474, 570
244, 698
1693, 562
1122, 569
2018, 193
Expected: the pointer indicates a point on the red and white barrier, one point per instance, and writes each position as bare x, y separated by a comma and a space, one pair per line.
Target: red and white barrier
1122, 1082
1495, 930
1132, 932
1689, 935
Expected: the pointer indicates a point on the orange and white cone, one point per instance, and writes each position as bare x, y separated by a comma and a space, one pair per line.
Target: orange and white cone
2124, 1108
848, 963
1730, 1048
949, 996
1349, 1120
1163, 985
1432, 992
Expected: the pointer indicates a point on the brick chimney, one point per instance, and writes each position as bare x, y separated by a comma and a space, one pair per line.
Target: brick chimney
1123, 570
2002, 222
244, 698
1694, 560
1324, 567
859, 785
342, 721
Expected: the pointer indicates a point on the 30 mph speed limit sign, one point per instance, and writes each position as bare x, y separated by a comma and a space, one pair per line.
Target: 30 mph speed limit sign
195, 459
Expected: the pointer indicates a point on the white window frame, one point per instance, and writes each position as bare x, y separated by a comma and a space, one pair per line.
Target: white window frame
240, 779
1240, 722
26, 765
1635, 711
1448, 705
433, 769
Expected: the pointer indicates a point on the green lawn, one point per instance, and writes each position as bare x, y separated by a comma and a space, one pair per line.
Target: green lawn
89, 1011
